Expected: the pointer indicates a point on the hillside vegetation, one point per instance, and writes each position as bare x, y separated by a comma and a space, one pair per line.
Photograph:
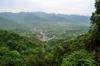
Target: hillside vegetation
22, 51
25, 49
58, 25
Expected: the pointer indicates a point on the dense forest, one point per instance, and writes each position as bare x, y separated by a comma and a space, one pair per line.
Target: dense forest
83, 49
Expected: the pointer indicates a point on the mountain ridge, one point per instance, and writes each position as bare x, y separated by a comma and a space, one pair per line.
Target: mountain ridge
48, 22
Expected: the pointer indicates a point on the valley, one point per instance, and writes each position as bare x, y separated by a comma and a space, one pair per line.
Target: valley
52, 25
49, 33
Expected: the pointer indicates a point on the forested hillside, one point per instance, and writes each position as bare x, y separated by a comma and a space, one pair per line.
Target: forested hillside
94, 33
22, 51
17, 49
28, 23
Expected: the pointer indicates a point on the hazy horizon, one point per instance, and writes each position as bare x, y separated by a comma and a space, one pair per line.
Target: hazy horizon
70, 7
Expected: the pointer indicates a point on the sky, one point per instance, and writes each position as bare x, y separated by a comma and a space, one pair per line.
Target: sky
76, 7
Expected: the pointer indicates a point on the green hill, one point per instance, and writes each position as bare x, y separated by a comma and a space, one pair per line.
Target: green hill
82, 50
8, 24
16, 50
21, 51
27, 23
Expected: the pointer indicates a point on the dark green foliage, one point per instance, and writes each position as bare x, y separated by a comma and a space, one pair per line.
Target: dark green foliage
95, 28
14, 41
79, 58
60, 49
94, 33
16, 50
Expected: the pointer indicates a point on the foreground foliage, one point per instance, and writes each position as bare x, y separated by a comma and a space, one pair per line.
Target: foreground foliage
79, 58
16, 50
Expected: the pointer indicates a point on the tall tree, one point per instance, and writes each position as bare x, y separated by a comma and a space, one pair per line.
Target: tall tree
94, 33
94, 38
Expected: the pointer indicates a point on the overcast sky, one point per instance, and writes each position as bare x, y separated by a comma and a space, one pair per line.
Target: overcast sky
80, 7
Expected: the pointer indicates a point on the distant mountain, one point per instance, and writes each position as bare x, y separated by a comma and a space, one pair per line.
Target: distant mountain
12, 25
7, 23
45, 22
33, 17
